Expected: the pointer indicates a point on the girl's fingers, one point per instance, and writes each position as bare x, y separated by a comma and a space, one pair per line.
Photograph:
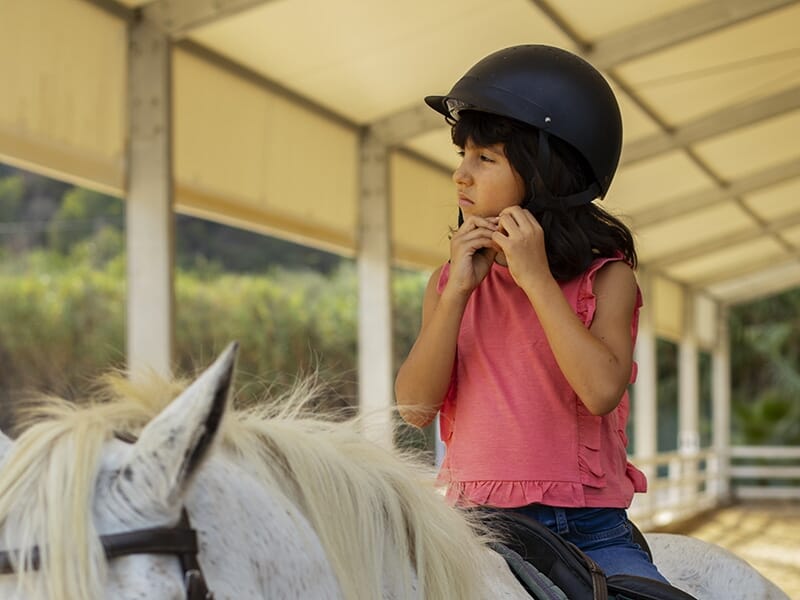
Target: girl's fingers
518, 218
508, 223
500, 240
472, 234
477, 222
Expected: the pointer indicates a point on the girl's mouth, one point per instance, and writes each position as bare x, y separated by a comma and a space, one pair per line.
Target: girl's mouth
464, 201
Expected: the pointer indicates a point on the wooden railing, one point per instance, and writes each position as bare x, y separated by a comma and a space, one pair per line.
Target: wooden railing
765, 472
679, 486
682, 485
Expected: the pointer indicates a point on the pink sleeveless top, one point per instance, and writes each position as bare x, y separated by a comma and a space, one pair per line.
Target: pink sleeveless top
516, 433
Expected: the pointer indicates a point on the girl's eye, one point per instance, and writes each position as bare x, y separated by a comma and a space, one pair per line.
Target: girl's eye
460, 153
485, 158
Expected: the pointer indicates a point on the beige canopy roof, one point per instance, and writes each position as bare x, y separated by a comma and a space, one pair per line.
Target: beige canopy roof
271, 98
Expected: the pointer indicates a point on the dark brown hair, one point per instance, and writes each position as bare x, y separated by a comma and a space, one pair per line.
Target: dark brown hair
574, 236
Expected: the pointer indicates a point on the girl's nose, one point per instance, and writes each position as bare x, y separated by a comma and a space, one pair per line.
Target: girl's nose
461, 175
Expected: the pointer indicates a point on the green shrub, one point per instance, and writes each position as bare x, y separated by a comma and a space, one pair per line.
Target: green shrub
62, 323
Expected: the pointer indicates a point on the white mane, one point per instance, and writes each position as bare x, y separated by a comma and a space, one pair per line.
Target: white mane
372, 509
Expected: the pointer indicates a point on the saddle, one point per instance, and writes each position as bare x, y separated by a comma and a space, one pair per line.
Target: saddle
527, 543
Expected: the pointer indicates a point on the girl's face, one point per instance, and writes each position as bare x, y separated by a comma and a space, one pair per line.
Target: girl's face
486, 182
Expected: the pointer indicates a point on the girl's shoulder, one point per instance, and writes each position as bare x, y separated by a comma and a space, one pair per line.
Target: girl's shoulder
605, 269
610, 281
614, 276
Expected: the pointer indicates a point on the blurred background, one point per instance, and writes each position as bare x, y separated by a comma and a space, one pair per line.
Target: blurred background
175, 174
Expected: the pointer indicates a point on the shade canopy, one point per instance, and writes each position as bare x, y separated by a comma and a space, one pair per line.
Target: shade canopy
271, 99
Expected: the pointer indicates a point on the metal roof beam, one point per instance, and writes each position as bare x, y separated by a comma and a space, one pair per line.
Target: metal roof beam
677, 27
406, 124
722, 121
758, 285
695, 201
179, 17
725, 241
747, 270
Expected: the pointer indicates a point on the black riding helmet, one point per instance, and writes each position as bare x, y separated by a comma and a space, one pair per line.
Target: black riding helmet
553, 90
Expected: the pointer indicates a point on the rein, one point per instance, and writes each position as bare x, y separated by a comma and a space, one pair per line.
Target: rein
179, 540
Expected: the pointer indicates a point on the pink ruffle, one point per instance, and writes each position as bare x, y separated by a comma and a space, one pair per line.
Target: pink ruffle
590, 462
507, 494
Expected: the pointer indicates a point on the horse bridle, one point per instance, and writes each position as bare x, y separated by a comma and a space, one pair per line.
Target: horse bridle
179, 540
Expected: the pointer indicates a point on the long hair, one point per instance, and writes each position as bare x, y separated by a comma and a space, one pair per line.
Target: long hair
573, 236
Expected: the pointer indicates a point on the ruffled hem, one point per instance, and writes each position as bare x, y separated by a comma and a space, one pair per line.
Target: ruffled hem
509, 494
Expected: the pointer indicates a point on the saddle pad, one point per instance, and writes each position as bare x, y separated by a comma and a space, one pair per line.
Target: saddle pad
536, 584
563, 563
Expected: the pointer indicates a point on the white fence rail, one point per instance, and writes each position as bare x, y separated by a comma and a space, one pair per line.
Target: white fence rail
682, 484
765, 472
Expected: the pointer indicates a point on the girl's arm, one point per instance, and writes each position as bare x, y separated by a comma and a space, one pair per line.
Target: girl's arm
424, 376
597, 361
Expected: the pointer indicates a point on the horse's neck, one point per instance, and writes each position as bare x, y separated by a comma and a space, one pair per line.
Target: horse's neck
254, 543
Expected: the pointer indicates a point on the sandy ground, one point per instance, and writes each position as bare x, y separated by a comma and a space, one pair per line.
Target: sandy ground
765, 534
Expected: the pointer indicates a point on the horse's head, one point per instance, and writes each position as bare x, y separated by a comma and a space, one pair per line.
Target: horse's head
68, 487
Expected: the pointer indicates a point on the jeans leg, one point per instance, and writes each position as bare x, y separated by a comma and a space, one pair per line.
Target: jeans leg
624, 559
605, 536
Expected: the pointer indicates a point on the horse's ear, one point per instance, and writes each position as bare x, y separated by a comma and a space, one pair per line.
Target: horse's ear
5, 444
173, 444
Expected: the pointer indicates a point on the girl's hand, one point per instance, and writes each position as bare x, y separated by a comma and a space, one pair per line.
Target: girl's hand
472, 253
521, 239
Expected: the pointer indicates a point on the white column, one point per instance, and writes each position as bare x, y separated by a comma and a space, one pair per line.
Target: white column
721, 402
375, 369
688, 400
149, 214
645, 431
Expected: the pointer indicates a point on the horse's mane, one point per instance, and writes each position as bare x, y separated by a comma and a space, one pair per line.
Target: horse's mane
372, 507
56, 459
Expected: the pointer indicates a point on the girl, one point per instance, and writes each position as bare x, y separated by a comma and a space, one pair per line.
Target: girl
528, 330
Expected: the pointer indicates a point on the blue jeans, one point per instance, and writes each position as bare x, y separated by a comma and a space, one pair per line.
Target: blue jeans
602, 533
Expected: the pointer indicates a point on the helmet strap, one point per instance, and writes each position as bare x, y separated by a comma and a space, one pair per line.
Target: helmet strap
542, 198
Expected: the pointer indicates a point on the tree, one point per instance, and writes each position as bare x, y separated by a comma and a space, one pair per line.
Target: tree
82, 214
765, 357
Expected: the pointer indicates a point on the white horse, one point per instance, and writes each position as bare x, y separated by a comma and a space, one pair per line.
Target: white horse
283, 505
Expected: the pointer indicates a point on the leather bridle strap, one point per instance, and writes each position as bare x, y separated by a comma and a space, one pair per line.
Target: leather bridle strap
158, 540
180, 540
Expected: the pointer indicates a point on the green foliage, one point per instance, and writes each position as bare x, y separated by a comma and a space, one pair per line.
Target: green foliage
27, 202
12, 189
667, 395
58, 328
287, 323
84, 214
62, 323
202, 243
11, 194
765, 357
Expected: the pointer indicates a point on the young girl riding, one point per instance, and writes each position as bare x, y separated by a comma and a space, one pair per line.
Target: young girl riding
526, 345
